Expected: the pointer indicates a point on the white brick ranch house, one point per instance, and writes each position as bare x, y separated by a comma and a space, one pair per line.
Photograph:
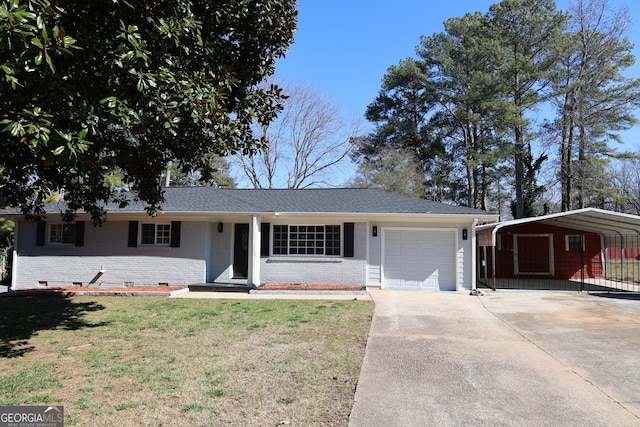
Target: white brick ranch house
354, 237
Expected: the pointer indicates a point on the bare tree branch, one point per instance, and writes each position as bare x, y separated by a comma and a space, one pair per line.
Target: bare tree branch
306, 143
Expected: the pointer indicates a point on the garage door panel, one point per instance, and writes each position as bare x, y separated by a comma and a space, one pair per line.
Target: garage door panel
419, 260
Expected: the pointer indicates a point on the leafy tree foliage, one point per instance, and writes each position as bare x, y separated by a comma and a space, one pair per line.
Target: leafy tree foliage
6, 234
465, 108
402, 112
625, 178
593, 98
464, 70
173, 176
526, 31
92, 87
395, 170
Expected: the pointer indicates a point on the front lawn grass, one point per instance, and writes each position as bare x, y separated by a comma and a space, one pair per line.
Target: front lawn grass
147, 361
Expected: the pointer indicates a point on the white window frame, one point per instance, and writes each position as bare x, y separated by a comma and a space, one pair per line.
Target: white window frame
61, 225
567, 244
293, 231
161, 234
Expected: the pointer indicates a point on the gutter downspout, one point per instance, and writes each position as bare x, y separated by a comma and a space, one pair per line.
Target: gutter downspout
474, 265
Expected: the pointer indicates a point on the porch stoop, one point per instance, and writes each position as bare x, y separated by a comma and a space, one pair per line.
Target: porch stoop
221, 287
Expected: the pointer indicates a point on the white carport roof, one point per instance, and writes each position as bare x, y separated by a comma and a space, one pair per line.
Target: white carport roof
591, 220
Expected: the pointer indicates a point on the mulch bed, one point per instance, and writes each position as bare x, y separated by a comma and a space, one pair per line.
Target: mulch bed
81, 289
316, 287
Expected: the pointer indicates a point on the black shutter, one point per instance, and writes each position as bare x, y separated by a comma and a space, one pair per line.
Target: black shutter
79, 233
348, 239
265, 229
175, 234
133, 234
41, 231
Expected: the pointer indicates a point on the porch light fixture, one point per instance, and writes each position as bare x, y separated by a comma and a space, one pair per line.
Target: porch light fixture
464, 234
220, 227
375, 230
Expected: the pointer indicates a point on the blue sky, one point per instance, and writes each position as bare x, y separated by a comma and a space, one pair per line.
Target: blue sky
343, 48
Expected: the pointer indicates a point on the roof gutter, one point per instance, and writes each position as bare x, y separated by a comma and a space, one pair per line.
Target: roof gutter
204, 215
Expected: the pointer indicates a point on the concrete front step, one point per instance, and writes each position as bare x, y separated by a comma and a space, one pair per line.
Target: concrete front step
220, 287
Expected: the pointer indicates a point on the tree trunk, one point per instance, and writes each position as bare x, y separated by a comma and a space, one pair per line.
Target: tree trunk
582, 168
518, 152
565, 155
472, 178
518, 155
484, 194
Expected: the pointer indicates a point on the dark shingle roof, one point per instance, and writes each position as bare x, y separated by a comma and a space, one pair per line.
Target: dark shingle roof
321, 200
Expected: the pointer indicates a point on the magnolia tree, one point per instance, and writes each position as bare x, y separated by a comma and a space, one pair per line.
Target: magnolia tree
93, 88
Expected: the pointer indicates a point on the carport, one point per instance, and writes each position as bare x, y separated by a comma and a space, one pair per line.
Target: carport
585, 249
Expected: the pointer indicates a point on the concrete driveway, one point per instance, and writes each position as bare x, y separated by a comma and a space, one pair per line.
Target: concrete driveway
524, 358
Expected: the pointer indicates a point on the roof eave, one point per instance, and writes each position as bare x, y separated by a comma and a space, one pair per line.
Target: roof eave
215, 215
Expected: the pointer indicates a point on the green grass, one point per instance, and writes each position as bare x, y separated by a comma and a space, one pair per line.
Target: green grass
629, 272
157, 361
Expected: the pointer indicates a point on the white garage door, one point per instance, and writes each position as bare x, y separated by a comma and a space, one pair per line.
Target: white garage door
419, 260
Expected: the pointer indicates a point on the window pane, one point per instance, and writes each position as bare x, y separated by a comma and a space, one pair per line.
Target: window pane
56, 233
62, 233
306, 240
575, 242
333, 240
163, 234
279, 239
68, 233
148, 234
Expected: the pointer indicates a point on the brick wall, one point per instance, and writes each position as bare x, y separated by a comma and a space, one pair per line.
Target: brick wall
332, 271
105, 248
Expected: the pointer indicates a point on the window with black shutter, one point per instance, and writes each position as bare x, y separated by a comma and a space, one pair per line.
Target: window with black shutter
304, 239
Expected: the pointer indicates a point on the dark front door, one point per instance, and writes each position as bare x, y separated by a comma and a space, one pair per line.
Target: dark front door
241, 251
